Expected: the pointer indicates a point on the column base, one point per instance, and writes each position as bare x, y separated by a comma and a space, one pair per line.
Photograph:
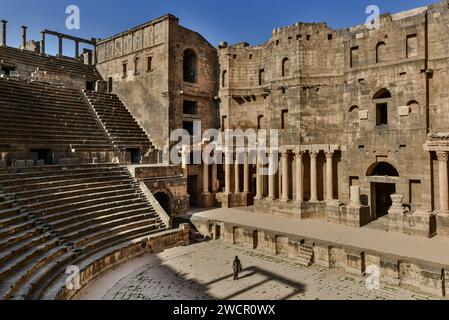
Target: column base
442, 223
207, 200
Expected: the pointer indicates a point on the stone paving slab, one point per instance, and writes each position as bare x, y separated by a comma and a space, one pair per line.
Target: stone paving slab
434, 250
204, 272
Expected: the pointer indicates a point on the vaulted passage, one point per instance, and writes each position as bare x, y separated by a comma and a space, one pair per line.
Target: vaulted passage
164, 201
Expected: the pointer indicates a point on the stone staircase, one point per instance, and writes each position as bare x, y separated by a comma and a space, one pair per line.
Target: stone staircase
306, 255
118, 122
52, 217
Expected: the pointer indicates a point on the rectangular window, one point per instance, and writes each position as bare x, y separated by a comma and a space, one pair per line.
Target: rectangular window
261, 76
149, 64
124, 70
354, 57
412, 46
136, 66
110, 84
224, 123
190, 107
381, 114
284, 119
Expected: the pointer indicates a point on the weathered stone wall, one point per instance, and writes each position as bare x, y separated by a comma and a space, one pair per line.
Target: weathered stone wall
155, 96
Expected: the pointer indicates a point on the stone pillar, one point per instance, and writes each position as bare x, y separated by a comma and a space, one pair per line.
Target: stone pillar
237, 174
329, 176
285, 177
313, 176
77, 49
355, 196
24, 37
4, 22
259, 180
43, 42
60, 50
205, 178
271, 178
185, 154
245, 172
443, 178
299, 178
227, 173
214, 176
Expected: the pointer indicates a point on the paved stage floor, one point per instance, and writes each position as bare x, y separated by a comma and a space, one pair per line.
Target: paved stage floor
204, 272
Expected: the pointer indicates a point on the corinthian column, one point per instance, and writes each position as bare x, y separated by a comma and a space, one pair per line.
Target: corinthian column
313, 176
245, 172
237, 173
285, 178
299, 180
329, 176
443, 178
271, 178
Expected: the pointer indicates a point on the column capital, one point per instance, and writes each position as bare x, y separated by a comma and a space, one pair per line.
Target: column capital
329, 154
298, 153
442, 155
4, 21
284, 153
314, 153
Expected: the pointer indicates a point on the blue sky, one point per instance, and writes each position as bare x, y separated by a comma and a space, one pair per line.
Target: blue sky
231, 20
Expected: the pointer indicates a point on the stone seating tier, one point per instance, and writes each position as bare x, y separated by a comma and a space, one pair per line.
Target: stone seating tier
55, 216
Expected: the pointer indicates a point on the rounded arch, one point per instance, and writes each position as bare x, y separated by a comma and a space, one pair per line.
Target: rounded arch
353, 115
190, 66
224, 78
165, 199
382, 169
380, 51
285, 67
382, 94
414, 106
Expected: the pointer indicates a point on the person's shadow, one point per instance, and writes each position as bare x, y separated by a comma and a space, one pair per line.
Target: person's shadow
248, 275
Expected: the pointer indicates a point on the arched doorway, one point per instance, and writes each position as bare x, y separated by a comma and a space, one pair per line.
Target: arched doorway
164, 200
382, 187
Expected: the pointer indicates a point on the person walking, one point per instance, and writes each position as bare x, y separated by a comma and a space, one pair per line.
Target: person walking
237, 266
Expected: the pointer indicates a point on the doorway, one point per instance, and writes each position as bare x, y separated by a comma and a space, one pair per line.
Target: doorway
164, 201
255, 239
192, 190
135, 155
381, 198
44, 154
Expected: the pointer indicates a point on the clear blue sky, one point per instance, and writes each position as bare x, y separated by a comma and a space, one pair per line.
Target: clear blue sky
225, 20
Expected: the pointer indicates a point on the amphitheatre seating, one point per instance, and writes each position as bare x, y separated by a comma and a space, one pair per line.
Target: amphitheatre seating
55, 216
41, 114
58, 65
123, 129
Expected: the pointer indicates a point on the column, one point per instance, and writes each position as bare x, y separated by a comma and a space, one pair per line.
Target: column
205, 178
185, 154
245, 172
4, 22
443, 178
313, 176
24, 37
227, 173
329, 176
259, 180
285, 180
214, 176
60, 45
271, 178
299, 180
43, 42
77, 49
237, 173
